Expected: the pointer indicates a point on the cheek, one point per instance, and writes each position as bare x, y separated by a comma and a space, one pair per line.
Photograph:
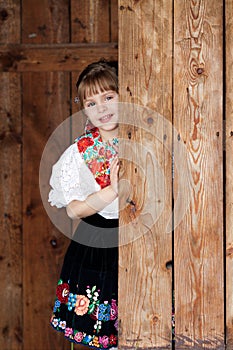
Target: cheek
91, 116
114, 109
90, 113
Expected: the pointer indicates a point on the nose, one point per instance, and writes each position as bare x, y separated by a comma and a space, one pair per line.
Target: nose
101, 107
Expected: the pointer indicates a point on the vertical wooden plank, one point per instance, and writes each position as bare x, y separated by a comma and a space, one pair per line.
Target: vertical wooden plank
10, 21
11, 329
10, 217
114, 21
229, 173
198, 92
145, 67
45, 21
45, 105
90, 21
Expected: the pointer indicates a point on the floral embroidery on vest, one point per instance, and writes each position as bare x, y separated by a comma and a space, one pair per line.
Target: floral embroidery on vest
97, 155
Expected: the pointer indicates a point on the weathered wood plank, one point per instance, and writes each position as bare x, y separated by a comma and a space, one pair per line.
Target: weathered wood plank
45, 105
10, 21
114, 20
45, 21
199, 269
145, 67
78, 119
11, 327
70, 57
90, 21
229, 173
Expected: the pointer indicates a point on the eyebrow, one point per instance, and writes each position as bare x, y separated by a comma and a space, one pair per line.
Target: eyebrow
102, 94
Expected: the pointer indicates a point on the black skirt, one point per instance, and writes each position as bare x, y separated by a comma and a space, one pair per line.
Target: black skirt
87, 293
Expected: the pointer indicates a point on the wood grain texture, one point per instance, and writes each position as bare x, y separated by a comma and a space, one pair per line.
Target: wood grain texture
36, 58
10, 21
45, 105
199, 279
90, 21
145, 68
229, 174
114, 23
10, 213
45, 21
11, 327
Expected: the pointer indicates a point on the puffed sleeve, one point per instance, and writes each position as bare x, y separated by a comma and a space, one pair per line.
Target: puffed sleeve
71, 179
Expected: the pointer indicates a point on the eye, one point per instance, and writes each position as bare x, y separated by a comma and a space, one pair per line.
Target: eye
90, 104
109, 97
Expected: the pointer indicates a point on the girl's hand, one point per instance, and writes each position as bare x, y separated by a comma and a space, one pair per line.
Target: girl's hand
114, 172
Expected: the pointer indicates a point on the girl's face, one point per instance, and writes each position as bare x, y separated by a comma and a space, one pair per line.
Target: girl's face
101, 109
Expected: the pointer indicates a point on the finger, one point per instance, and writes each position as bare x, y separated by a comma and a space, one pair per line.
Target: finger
114, 168
115, 160
114, 163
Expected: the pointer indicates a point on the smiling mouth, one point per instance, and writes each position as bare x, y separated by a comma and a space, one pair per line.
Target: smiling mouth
106, 118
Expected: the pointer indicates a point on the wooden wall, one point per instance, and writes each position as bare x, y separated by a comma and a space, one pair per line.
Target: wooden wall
44, 46
175, 60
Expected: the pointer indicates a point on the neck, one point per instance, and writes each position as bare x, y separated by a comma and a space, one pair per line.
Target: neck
108, 135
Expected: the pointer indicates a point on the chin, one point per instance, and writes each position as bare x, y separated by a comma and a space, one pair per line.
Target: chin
109, 127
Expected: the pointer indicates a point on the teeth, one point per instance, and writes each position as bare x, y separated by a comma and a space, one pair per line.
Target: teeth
106, 117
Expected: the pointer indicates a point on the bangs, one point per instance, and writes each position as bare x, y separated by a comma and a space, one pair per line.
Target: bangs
97, 83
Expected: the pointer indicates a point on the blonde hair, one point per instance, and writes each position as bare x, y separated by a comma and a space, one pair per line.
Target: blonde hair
97, 77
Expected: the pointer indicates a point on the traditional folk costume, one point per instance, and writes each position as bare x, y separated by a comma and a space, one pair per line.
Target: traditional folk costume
85, 308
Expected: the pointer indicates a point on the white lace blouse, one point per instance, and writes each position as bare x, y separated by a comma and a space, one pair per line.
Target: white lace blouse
71, 179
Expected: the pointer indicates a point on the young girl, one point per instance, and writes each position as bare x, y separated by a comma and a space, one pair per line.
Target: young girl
84, 180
